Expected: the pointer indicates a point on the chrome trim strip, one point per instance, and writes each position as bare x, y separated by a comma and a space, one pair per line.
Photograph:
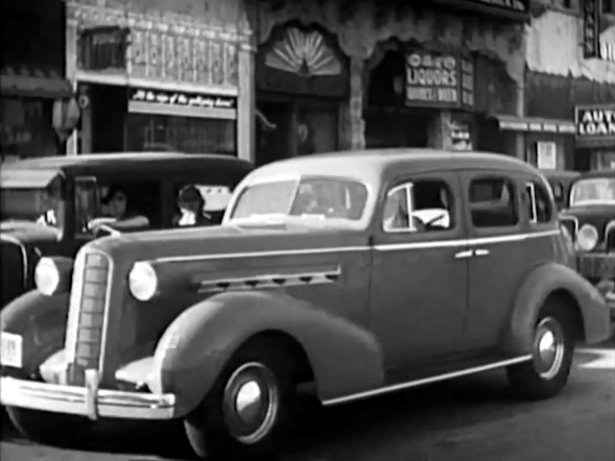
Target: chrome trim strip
349, 249
105, 326
58, 398
420, 382
24, 255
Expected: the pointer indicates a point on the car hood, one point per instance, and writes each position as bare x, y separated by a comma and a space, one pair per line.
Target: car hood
191, 244
27, 232
597, 215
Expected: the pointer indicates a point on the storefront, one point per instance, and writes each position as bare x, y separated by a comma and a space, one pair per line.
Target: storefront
369, 75
595, 135
161, 80
32, 86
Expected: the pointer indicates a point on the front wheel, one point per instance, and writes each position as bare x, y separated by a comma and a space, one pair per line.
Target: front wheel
246, 413
553, 347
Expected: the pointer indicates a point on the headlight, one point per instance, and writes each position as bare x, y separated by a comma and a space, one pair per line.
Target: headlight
587, 237
143, 281
47, 276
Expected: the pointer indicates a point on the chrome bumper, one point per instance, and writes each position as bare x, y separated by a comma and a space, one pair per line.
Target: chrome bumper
85, 401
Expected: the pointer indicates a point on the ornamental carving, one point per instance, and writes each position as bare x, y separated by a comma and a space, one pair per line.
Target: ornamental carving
360, 28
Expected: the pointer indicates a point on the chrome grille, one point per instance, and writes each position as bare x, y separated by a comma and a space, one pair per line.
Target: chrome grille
86, 320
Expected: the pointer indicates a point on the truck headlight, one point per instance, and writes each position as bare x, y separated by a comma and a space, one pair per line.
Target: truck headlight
587, 237
143, 281
47, 276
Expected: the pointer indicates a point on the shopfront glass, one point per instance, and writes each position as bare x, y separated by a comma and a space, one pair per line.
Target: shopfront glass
25, 128
152, 132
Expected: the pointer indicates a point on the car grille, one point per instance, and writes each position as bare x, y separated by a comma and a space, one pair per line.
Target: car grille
88, 301
12, 270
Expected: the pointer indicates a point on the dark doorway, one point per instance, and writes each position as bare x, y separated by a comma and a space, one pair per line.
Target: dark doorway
109, 107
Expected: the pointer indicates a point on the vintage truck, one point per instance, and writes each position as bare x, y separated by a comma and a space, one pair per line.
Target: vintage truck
360, 272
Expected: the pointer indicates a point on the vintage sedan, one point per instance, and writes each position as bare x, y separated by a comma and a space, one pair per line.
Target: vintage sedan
49, 205
360, 272
590, 220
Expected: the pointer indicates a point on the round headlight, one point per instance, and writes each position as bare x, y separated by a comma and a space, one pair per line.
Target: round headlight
46, 276
143, 281
587, 237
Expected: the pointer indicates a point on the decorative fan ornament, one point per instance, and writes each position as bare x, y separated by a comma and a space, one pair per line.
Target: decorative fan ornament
303, 53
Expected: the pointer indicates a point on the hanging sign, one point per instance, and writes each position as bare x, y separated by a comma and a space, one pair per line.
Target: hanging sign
436, 79
591, 28
595, 122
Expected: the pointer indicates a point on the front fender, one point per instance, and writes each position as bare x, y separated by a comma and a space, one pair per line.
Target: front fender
534, 290
41, 321
194, 349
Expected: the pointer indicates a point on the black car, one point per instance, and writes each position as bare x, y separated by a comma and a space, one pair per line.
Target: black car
590, 220
560, 182
54, 205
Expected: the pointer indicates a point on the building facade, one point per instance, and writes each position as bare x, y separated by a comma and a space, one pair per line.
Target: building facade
337, 75
570, 96
33, 92
160, 75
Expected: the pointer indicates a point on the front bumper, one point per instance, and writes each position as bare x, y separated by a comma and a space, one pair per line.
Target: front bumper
85, 401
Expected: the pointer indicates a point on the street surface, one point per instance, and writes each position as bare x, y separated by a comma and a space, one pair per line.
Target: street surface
470, 419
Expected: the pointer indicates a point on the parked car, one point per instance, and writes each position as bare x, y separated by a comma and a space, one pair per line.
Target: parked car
590, 220
362, 272
560, 182
48, 205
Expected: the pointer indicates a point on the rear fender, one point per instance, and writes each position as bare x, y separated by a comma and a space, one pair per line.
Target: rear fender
541, 282
41, 321
194, 349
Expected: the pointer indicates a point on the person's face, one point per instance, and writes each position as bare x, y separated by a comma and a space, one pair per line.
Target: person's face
117, 205
189, 207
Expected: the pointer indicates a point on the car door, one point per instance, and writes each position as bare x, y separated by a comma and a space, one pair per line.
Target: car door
498, 256
419, 274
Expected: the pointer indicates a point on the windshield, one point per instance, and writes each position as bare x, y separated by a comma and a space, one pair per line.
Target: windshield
325, 198
44, 206
593, 191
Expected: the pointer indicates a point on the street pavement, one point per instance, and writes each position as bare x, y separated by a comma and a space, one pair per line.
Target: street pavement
470, 419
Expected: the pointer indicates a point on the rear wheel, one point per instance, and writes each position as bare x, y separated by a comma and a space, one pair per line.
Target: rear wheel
247, 412
553, 347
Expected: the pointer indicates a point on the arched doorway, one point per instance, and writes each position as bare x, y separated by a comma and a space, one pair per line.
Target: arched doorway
301, 82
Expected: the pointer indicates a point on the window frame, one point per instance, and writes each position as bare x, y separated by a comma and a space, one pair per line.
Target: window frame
533, 184
482, 175
77, 232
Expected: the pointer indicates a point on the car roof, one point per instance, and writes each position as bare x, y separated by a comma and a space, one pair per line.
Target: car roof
606, 173
372, 164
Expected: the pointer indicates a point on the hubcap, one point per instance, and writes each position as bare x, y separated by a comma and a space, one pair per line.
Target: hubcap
549, 344
251, 402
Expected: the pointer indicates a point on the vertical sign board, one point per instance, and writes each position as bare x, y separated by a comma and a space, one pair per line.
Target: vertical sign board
591, 28
444, 80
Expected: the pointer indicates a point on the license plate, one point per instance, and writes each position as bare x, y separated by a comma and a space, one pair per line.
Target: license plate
10, 351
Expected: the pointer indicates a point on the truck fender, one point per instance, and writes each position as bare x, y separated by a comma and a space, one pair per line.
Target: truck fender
41, 322
541, 282
193, 350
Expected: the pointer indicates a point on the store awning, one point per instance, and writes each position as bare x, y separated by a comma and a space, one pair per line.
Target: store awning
34, 82
535, 124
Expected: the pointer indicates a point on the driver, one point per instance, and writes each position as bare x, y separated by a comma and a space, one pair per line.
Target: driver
55, 205
115, 206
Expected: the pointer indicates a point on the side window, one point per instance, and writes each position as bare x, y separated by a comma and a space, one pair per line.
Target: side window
540, 210
558, 191
492, 203
421, 206
86, 204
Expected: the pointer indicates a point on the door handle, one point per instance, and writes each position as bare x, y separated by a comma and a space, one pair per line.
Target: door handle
464, 254
481, 252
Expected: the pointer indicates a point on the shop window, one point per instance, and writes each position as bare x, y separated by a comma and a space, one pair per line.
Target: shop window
539, 204
149, 132
492, 203
420, 206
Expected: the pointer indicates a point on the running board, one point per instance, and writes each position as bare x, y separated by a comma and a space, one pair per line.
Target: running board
430, 380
